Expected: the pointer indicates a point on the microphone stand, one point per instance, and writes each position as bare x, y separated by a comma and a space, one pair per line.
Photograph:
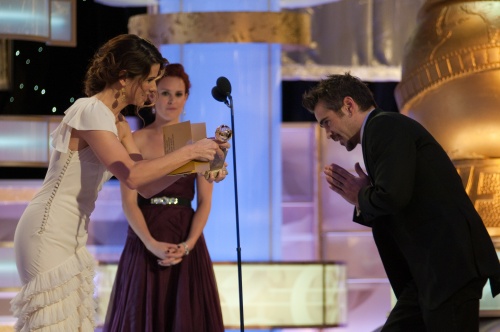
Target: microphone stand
238, 248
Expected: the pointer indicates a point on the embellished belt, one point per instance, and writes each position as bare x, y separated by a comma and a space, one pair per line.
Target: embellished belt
163, 200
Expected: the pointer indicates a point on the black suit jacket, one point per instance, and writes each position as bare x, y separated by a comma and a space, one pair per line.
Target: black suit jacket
425, 226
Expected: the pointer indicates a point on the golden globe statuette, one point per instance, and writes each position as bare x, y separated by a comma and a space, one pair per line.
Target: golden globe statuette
222, 134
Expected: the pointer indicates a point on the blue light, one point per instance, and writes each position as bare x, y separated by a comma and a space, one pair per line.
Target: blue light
12, 142
7, 267
19, 16
57, 22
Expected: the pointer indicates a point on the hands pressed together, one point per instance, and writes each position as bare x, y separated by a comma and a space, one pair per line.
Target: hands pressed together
346, 184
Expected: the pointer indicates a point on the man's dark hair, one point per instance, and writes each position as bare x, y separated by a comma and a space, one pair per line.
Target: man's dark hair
332, 91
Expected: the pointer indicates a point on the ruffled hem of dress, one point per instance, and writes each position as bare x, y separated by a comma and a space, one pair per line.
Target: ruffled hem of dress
59, 300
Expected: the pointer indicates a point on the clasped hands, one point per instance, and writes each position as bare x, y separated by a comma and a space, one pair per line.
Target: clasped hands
346, 184
169, 254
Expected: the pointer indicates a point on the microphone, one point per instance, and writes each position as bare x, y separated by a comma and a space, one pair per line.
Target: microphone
218, 95
224, 86
222, 90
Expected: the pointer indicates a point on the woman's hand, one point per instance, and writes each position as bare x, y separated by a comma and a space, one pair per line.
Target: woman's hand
184, 248
168, 254
217, 175
205, 149
223, 145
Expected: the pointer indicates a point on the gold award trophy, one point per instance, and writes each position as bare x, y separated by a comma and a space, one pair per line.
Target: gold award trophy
222, 134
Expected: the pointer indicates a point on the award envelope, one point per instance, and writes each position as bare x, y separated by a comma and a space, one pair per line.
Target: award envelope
180, 134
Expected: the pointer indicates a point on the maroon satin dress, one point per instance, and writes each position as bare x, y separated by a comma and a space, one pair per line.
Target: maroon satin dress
149, 298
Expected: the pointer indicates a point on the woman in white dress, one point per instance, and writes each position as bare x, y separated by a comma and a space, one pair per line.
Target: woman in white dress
92, 143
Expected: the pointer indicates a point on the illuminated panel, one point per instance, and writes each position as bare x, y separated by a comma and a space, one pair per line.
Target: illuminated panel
24, 141
275, 294
63, 23
284, 294
39, 20
25, 19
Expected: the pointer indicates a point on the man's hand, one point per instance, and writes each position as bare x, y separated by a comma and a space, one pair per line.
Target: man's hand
344, 183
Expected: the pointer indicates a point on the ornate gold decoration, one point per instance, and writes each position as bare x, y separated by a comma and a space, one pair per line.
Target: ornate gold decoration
291, 29
451, 76
451, 84
481, 179
436, 72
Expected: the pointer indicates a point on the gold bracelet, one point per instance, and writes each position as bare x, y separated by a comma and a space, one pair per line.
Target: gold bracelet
186, 248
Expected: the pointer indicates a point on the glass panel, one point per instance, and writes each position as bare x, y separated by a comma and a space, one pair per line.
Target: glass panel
299, 233
299, 162
8, 270
23, 141
28, 18
253, 72
62, 23
359, 252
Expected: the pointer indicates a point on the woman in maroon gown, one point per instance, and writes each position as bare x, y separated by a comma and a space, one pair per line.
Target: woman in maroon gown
159, 286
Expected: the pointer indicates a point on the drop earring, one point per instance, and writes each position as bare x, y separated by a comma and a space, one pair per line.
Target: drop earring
123, 95
183, 112
115, 102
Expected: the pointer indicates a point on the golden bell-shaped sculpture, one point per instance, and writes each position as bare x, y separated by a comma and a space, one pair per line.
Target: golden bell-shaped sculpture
451, 76
451, 84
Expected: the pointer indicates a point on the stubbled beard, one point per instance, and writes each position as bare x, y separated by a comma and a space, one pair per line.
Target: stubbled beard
353, 142
350, 145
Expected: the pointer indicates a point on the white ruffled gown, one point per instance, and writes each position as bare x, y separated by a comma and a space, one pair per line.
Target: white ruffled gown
50, 241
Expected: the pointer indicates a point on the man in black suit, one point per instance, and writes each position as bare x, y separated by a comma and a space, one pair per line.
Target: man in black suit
435, 249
